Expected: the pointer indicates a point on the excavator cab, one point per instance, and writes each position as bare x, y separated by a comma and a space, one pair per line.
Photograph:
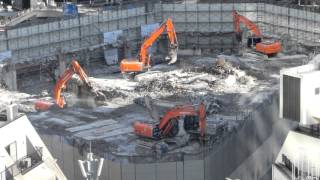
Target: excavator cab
191, 123
252, 41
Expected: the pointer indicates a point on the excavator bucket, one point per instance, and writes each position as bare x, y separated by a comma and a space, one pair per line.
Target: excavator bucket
98, 96
173, 55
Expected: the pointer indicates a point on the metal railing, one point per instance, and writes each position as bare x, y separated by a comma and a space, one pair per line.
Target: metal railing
13, 18
23, 165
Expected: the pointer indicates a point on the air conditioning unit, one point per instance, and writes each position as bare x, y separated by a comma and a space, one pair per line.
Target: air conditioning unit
300, 94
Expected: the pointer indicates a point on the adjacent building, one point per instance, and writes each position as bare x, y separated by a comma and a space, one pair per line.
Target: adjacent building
23, 155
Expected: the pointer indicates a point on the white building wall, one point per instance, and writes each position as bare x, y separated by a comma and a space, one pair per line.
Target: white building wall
18, 131
310, 101
302, 150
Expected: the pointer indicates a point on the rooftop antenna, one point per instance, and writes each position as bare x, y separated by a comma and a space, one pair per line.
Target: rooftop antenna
91, 168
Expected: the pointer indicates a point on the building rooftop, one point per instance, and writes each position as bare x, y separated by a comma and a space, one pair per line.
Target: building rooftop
22, 152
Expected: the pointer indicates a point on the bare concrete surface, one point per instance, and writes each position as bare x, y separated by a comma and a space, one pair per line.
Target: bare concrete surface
229, 86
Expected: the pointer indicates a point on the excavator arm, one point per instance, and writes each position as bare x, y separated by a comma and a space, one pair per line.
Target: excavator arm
154, 36
237, 19
74, 68
167, 123
144, 58
60, 85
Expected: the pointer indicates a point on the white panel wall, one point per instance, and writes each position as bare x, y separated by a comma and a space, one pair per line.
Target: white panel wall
43, 39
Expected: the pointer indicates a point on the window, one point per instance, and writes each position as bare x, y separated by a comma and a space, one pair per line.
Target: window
12, 150
317, 91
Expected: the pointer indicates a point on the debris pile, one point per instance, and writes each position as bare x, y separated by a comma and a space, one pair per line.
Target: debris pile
112, 93
219, 76
219, 67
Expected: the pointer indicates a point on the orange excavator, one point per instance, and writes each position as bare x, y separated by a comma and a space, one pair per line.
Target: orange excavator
266, 46
143, 61
74, 68
194, 120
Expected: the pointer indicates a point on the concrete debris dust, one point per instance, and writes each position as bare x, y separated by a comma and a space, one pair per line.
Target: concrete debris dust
22, 99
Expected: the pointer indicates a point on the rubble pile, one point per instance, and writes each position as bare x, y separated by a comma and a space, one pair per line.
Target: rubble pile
112, 93
158, 84
220, 67
221, 76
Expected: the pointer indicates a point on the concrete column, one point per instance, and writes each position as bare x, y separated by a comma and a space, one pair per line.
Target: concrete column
87, 57
62, 62
127, 51
9, 76
12, 112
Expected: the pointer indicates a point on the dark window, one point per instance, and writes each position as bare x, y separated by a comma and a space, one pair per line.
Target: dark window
26, 4
317, 91
291, 98
12, 150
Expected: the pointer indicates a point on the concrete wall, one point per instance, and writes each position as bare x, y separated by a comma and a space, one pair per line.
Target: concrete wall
68, 156
42, 40
301, 25
205, 26
33, 42
198, 25
230, 159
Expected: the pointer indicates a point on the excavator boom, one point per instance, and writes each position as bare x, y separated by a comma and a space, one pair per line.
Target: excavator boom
74, 68
237, 19
143, 62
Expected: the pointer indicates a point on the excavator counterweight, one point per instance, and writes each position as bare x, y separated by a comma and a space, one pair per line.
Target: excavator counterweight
143, 61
